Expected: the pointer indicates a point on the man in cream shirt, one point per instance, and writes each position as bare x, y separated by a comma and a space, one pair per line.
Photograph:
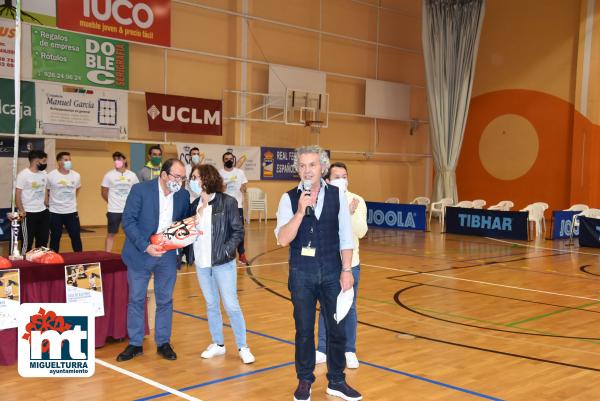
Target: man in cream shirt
338, 176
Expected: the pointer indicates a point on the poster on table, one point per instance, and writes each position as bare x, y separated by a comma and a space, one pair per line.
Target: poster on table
247, 157
79, 59
83, 284
7, 49
10, 298
40, 12
65, 110
146, 21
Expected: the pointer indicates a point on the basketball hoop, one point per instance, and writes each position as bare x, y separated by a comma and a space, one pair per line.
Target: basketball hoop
315, 125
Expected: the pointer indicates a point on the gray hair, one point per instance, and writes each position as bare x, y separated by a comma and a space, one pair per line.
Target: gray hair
313, 149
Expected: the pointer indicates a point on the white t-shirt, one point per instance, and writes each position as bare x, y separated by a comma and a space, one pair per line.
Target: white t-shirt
119, 185
63, 188
233, 181
33, 187
203, 243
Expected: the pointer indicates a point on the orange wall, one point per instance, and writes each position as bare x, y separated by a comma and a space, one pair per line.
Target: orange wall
518, 142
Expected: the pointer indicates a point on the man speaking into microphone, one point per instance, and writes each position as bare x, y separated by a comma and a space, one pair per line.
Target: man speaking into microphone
314, 221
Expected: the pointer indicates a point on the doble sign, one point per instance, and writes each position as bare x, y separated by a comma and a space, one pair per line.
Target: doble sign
147, 21
183, 114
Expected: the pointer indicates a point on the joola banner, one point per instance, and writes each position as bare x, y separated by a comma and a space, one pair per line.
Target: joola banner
487, 223
562, 221
400, 217
183, 114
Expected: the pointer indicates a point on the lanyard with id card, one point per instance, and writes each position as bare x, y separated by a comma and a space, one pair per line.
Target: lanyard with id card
308, 250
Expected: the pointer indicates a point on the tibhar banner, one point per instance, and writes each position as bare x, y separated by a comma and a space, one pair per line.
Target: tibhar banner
247, 157
79, 59
7, 49
184, 114
7, 107
71, 108
147, 21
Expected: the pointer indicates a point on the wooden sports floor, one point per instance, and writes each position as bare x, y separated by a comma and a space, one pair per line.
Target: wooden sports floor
441, 317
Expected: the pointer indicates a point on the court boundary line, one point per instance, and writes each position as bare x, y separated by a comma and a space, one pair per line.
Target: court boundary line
542, 247
416, 377
153, 383
221, 380
482, 282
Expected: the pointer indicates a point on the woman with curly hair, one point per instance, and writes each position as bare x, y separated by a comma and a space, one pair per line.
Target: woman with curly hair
213, 253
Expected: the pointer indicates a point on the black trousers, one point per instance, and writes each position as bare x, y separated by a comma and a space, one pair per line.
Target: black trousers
71, 222
38, 228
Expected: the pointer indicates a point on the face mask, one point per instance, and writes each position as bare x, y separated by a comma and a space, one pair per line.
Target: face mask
196, 159
195, 187
173, 186
155, 160
42, 166
341, 183
229, 163
119, 164
68, 165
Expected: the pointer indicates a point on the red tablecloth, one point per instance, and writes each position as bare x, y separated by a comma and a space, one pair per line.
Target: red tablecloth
46, 283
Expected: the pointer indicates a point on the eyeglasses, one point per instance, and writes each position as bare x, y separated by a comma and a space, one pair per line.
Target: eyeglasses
177, 177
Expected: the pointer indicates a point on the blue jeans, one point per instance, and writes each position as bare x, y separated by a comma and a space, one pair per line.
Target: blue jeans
307, 285
351, 321
221, 282
165, 274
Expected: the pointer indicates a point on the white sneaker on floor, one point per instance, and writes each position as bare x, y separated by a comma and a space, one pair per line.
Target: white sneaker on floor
351, 360
213, 350
320, 357
246, 355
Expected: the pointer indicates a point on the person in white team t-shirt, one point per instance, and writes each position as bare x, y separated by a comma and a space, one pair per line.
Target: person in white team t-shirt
114, 189
63, 185
234, 184
32, 200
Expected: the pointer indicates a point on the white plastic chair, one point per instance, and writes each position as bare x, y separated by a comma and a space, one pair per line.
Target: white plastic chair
465, 204
578, 207
421, 200
504, 206
536, 214
392, 200
257, 201
479, 204
589, 212
440, 209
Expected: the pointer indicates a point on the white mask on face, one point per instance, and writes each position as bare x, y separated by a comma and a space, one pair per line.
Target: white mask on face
173, 186
341, 183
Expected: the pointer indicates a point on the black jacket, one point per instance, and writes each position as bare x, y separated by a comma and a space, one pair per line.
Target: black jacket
227, 229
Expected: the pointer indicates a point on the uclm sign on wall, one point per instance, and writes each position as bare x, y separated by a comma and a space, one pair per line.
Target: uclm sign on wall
184, 114
147, 21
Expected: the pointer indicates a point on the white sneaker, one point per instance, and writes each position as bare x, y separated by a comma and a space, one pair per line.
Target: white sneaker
213, 350
351, 360
246, 355
320, 357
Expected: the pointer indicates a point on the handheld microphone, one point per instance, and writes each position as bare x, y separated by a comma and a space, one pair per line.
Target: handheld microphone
306, 185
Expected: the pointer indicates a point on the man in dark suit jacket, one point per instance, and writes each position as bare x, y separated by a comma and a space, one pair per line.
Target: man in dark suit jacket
151, 207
